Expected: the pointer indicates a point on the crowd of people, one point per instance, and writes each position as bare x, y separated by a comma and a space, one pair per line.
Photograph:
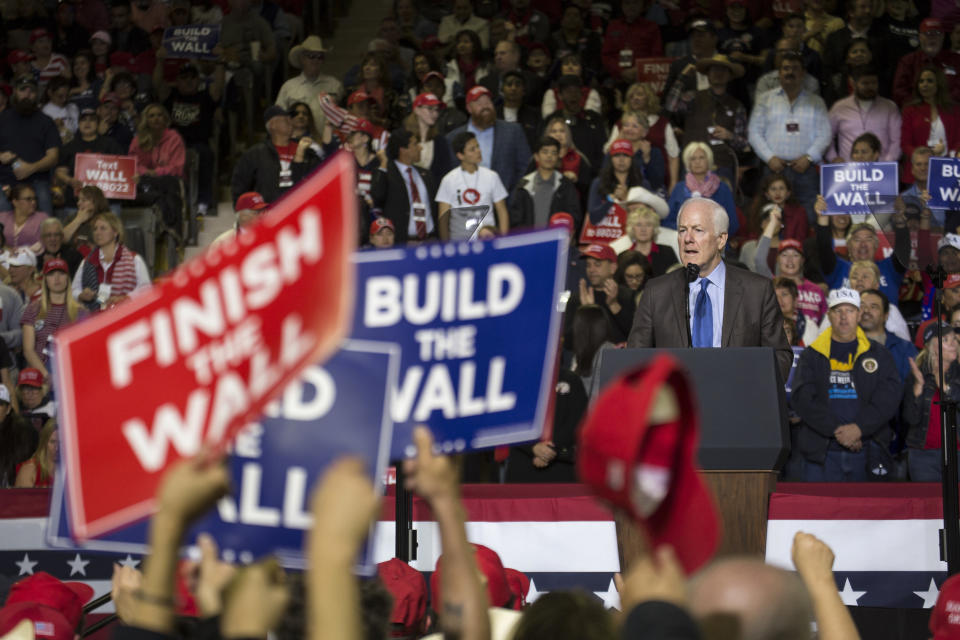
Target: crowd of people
472, 119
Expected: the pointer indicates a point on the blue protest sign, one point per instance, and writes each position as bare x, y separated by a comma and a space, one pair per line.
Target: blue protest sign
859, 187
943, 183
477, 326
339, 408
192, 41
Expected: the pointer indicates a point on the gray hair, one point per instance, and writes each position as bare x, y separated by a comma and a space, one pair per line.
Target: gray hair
721, 222
50, 223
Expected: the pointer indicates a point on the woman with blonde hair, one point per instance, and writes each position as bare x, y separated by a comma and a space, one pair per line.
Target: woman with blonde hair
634, 127
865, 275
111, 272
641, 97
37, 470
42, 318
643, 224
573, 164
701, 181
161, 156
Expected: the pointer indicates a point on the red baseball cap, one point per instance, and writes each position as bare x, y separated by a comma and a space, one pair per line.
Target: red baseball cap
600, 252
931, 24
54, 607
790, 243
381, 223
358, 96
250, 200
432, 74
562, 219
478, 92
409, 591
426, 99
621, 146
945, 617
365, 126
498, 588
30, 377
637, 450
18, 55
55, 264
519, 587
36, 34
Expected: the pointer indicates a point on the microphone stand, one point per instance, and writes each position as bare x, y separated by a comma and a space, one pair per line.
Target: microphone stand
692, 272
950, 534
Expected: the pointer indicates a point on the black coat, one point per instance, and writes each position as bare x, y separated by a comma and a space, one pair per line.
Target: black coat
390, 195
565, 198
529, 118
258, 169
571, 404
878, 394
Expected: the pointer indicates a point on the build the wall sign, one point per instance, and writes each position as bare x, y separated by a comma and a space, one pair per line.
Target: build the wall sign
192, 41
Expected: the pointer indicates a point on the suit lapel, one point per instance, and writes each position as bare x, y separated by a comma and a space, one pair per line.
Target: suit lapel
679, 298
732, 296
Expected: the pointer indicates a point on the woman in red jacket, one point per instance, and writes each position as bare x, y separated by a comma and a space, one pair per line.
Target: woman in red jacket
930, 119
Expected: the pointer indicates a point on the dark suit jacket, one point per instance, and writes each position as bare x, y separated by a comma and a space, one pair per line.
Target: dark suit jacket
389, 193
511, 153
751, 315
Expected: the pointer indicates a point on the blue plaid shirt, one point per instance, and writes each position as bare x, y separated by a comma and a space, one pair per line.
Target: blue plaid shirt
789, 131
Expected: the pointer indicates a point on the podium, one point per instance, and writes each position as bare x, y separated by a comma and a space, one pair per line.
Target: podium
744, 434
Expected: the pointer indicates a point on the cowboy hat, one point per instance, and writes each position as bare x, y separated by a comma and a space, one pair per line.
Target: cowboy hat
718, 59
312, 44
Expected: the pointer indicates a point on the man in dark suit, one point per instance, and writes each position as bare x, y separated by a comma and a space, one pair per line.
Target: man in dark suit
729, 307
506, 59
405, 193
504, 145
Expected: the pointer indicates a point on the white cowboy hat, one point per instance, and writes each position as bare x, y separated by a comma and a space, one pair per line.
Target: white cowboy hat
652, 200
312, 43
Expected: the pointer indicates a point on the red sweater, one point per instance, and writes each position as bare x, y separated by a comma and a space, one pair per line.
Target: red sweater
640, 36
915, 129
166, 158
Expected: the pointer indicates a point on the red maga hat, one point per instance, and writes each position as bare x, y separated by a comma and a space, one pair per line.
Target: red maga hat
600, 252
945, 617
637, 450
426, 99
498, 588
409, 591
54, 607
621, 146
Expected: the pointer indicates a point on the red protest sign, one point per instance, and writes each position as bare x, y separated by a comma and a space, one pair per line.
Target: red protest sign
654, 71
114, 175
198, 356
613, 225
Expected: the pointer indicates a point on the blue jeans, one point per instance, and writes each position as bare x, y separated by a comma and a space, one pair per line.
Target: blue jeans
839, 466
923, 465
803, 186
40, 183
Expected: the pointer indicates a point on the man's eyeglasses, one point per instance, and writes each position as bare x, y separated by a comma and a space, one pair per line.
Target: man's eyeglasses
313, 56
299, 112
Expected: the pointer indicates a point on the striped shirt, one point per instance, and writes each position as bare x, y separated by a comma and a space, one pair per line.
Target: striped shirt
55, 67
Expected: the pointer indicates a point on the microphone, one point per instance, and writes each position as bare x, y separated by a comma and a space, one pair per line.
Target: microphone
692, 272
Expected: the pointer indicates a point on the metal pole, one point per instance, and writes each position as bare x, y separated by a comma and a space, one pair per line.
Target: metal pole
950, 534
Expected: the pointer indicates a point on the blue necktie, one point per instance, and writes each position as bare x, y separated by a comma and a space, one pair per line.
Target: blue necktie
703, 318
